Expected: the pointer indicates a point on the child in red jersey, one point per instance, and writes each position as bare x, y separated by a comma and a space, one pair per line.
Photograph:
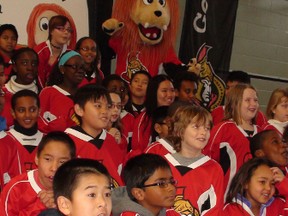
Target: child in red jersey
137, 92
234, 78
92, 107
24, 194
277, 111
60, 33
150, 188
229, 140
90, 52
160, 92
252, 190
8, 43
57, 111
81, 187
161, 126
200, 178
23, 76
25, 134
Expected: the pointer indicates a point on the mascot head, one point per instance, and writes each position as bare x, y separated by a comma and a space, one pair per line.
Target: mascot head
152, 22
152, 19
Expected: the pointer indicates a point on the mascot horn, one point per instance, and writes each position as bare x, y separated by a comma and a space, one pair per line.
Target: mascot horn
144, 31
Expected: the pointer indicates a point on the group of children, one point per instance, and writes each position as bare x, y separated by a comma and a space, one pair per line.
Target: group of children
143, 148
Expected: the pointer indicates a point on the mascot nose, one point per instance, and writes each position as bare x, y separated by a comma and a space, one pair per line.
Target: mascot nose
158, 13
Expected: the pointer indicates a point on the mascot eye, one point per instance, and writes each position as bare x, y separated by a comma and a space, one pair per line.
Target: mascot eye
43, 24
162, 2
147, 2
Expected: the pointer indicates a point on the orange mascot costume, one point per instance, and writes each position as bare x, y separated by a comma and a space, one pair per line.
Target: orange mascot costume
142, 35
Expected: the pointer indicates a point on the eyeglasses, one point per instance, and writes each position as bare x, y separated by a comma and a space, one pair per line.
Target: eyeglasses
92, 49
63, 29
162, 184
118, 106
74, 67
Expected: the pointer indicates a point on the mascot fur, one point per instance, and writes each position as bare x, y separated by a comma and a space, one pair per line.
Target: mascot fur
142, 35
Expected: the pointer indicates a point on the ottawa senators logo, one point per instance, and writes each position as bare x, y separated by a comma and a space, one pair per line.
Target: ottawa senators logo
133, 65
211, 88
182, 206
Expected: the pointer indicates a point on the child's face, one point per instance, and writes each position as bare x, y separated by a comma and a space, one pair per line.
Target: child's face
88, 50
165, 93
249, 105
53, 155
8, 41
26, 112
194, 139
261, 186
138, 85
61, 34
92, 196
163, 128
186, 91
274, 149
155, 198
73, 71
116, 107
229, 86
26, 67
119, 87
281, 110
95, 116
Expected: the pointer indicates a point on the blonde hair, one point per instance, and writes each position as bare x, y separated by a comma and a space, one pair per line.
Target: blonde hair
275, 99
233, 103
182, 118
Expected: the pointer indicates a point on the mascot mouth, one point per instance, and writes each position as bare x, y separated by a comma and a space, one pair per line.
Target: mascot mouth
151, 33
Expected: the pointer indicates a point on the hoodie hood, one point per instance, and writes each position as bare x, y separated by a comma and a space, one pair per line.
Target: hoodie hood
121, 203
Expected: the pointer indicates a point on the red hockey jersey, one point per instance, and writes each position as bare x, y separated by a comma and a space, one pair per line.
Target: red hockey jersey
275, 207
27, 158
229, 145
199, 188
10, 164
160, 147
19, 196
57, 110
104, 149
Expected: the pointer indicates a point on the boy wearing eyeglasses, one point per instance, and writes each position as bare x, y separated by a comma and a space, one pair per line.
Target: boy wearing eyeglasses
92, 108
150, 188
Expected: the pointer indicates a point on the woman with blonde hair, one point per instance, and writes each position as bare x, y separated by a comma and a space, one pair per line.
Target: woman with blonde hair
277, 111
229, 140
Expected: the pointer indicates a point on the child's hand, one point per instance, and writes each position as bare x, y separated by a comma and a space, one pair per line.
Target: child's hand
277, 174
47, 198
116, 134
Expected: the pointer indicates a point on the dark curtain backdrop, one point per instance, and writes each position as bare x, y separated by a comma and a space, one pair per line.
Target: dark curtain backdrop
207, 34
99, 11
211, 22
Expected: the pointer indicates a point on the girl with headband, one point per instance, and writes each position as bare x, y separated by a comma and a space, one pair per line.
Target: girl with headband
57, 111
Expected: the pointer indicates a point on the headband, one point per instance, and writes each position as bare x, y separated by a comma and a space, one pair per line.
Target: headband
64, 58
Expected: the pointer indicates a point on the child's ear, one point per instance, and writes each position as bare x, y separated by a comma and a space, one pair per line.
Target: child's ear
64, 205
157, 128
13, 113
61, 68
138, 193
36, 159
78, 110
259, 153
